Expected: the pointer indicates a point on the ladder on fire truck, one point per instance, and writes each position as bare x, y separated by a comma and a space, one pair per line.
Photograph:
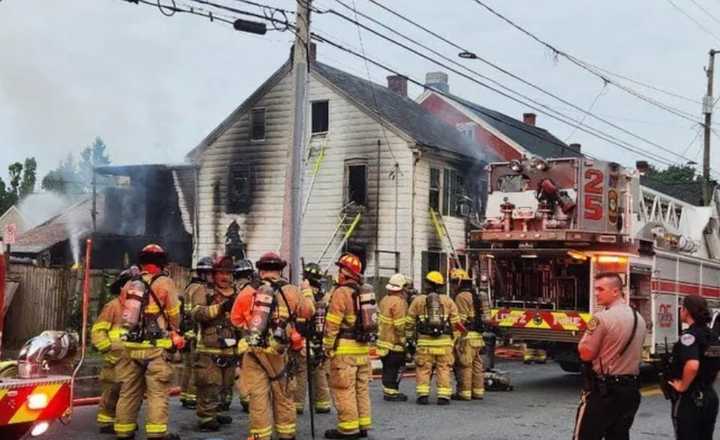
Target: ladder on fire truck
444, 236
656, 207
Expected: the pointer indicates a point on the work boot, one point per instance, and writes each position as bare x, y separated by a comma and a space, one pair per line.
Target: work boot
457, 396
299, 411
478, 396
224, 420
245, 406
189, 404
422, 400
442, 401
335, 434
109, 429
211, 425
400, 397
363, 433
322, 410
170, 436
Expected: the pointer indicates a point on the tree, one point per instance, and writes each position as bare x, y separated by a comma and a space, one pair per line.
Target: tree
673, 174
22, 182
27, 185
64, 179
72, 177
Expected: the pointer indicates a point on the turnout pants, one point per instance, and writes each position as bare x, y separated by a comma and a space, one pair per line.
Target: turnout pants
271, 395
469, 371
321, 392
241, 386
143, 373
694, 414
442, 360
392, 364
349, 385
214, 376
187, 379
607, 416
110, 391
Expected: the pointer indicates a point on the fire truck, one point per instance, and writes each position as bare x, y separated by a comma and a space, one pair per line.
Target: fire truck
551, 225
36, 389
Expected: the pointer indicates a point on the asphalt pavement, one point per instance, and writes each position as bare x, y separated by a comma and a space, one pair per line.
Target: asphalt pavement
542, 406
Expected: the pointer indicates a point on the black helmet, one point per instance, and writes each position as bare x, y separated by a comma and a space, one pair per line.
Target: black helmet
122, 279
270, 261
313, 273
204, 264
152, 254
243, 269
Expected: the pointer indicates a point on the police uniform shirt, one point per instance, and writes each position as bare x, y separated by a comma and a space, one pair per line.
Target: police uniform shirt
691, 346
607, 334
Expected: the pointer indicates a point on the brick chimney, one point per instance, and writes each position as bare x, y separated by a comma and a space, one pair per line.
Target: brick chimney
576, 147
398, 84
529, 118
437, 80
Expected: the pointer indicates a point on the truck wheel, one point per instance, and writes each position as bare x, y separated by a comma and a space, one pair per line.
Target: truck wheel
570, 367
15, 431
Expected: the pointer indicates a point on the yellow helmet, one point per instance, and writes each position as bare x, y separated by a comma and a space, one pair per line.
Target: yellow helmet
435, 277
459, 275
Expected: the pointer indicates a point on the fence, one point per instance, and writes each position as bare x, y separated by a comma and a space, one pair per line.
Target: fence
50, 299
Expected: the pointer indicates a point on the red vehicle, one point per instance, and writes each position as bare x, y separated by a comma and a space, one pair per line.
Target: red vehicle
32, 397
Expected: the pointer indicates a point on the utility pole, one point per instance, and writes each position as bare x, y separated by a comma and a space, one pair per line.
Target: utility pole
707, 110
292, 216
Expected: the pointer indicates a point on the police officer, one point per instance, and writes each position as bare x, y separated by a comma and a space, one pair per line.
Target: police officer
469, 364
217, 341
433, 320
392, 316
696, 360
613, 344
201, 281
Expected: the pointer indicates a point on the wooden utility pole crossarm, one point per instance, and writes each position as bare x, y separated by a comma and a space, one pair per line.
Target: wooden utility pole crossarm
707, 110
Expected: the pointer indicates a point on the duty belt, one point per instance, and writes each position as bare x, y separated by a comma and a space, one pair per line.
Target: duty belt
621, 379
225, 361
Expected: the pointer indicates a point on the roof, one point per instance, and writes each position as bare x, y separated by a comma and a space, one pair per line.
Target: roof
13, 215
536, 140
687, 192
399, 111
403, 113
74, 221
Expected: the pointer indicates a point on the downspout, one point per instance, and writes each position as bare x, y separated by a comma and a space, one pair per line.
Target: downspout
416, 159
377, 220
196, 220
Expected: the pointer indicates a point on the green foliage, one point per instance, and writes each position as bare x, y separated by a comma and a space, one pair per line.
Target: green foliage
71, 177
674, 174
22, 182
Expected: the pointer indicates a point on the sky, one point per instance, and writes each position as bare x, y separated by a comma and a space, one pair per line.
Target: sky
153, 86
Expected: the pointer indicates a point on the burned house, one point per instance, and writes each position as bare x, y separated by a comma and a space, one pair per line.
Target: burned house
133, 205
375, 163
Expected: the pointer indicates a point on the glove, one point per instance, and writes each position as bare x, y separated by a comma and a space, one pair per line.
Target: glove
227, 306
178, 340
110, 358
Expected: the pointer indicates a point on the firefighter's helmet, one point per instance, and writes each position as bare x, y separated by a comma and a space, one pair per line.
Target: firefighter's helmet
459, 275
223, 264
204, 264
270, 261
152, 254
243, 268
351, 265
312, 271
435, 278
396, 283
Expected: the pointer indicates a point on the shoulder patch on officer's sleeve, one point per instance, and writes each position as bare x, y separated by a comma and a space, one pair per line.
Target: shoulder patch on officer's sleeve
687, 339
592, 324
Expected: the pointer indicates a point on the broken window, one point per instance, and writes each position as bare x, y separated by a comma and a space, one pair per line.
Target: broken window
467, 129
434, 189
320, 116
356, 180
257, 117
453, 192
239, 189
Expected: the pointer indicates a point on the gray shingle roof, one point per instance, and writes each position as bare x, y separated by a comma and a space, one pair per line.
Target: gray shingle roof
404, 113
536, 140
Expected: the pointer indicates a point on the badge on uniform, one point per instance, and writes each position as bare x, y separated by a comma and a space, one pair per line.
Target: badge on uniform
687, 339
592, 324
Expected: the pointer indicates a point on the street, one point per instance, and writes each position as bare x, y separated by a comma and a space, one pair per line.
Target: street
542, 406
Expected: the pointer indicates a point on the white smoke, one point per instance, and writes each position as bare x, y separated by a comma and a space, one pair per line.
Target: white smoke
37, 208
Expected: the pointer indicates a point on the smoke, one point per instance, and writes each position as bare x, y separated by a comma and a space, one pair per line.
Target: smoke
37, 208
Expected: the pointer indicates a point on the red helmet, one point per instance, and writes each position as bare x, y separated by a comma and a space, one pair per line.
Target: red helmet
270, 261
223, 264
352, 265
152, 254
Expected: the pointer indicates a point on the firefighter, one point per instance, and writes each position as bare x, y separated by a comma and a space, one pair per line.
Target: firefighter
469, 365
104, 335
392, 313
312, 289
351, 323
202, 279
244, 275
150, 317
217, 341
433, 321
269, 315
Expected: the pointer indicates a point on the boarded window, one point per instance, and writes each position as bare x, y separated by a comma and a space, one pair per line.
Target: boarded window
435, 189
239, 189
357, 186
258, 124
320, 116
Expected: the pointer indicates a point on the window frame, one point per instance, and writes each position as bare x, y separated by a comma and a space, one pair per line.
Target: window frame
252, 124
239, 204
435, 190
352, 163
312, 117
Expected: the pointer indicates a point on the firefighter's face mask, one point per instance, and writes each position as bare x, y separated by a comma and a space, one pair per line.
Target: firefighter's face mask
223, 279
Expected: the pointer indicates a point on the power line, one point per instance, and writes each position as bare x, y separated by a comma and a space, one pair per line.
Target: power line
562, 118
592, 106
588, 67
708, 13
691, 18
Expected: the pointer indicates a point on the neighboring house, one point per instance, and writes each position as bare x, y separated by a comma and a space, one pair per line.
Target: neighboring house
13, 216
509, 138
376, 152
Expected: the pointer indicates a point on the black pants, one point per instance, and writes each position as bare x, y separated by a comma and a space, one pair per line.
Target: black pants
694, 415
607, 417
391, 365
